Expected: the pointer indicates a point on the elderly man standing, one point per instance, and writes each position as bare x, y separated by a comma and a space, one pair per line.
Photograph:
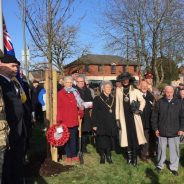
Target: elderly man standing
146, 120
86, 96
168, 124
13, 162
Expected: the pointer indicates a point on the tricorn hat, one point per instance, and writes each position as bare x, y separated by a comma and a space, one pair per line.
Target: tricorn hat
75, 71
9, 59
123, 76
148, 75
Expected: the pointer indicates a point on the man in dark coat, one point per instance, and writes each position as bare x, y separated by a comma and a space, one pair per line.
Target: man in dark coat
85, 94
13, 163
27, 110
168, 124
37, 107
146, 120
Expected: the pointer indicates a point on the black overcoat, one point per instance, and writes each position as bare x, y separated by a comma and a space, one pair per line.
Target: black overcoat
14, 112
13, 160
146, 115
102, 118
85, 94
168, 117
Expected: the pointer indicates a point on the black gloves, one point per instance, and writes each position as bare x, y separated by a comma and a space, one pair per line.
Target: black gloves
134, 106
118, 123
138, 112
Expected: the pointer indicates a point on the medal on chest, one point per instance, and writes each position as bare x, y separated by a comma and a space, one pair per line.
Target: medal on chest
126, 99
110, 106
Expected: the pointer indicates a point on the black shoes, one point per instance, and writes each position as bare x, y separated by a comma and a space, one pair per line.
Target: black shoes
102, 159
105, 155
158, 169
108, 159
129, 157
132, 158
175, 173
144, 159
134, 162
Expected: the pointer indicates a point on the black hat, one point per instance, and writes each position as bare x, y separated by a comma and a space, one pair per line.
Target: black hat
9, 59
148, 75
181, 84
35, 81
75, 71
123, 76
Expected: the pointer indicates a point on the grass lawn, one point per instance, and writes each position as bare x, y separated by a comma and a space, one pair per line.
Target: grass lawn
117, 173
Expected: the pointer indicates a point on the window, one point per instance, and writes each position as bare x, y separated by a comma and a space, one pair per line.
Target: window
135, 68
86, 68
113, 68
100, 68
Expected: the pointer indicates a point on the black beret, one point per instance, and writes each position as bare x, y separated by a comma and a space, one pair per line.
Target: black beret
35, 81
123, 76
75, 71
9, 59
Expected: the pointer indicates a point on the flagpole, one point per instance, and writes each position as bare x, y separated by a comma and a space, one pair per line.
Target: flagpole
1, 31
24, 39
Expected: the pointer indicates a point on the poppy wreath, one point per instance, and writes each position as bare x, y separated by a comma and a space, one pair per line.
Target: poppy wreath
57, 134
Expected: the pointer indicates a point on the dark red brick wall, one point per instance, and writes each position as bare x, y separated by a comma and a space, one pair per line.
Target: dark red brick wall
93, 70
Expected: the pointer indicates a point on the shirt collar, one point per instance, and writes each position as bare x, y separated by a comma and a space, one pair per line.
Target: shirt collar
7, 78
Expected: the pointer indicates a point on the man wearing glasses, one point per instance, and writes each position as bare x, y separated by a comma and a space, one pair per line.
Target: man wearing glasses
85, 94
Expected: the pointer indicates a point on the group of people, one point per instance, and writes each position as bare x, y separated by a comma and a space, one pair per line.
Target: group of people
132, 117
126, 114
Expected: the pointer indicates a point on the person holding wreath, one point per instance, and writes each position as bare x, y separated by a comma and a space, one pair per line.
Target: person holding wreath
104, 123
69, 108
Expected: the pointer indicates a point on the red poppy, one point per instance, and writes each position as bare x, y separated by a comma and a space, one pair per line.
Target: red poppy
57, 134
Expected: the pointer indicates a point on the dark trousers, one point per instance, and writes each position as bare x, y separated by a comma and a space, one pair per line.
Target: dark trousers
85, 140
13, 164
71, 145
145, 147
104, 145
149, 148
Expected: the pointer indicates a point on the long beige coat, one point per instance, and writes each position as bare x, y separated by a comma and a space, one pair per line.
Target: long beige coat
136, 95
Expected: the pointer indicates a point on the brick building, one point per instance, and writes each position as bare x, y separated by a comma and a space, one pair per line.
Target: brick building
102, 67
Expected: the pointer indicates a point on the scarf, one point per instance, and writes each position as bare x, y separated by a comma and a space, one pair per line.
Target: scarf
76, 94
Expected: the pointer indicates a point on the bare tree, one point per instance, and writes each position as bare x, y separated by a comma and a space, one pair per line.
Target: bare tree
155, 30
48, 24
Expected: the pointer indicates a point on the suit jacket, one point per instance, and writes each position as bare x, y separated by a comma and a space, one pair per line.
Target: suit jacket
146, 115
14, 112
85, 94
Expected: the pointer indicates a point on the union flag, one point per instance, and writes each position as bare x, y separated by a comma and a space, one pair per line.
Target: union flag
8, 46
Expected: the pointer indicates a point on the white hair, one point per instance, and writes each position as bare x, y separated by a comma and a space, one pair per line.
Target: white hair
104, 83
81, 77
66, 78
168, 87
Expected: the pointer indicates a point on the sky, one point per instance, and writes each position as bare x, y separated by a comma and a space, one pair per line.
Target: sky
88, 33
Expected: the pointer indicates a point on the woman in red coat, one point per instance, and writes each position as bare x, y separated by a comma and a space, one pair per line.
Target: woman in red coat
69, 107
